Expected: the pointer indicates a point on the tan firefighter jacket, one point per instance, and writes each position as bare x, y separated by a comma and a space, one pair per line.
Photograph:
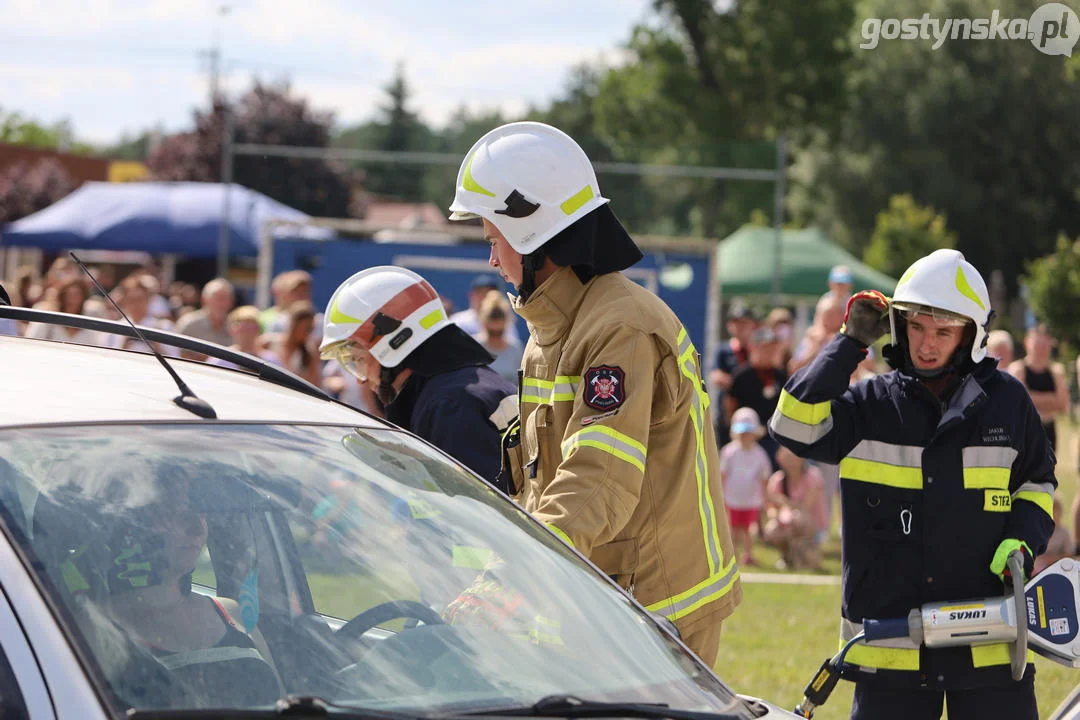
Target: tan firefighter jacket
617, 453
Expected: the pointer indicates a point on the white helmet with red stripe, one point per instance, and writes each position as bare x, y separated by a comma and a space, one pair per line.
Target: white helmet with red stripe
387, 311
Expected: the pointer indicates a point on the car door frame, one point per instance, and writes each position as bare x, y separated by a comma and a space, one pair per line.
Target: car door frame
53, 682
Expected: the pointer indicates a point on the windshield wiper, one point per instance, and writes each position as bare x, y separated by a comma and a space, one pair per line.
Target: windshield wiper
290, 706
568, 706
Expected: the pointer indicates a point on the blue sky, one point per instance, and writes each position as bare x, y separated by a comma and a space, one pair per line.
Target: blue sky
114, 66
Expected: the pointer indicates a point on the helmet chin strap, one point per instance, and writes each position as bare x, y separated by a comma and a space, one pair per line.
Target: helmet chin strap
530, 265
387, 393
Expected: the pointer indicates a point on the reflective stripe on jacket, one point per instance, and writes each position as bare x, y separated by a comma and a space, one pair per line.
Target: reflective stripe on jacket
928, 492
617, 452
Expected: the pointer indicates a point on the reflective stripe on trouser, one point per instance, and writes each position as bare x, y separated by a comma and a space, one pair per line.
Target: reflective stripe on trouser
804, 423
903, 654
607, 440
882, 463
721, 575
547, 392
1042, 494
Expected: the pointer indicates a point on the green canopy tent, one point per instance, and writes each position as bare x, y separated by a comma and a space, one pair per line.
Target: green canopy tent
806, 256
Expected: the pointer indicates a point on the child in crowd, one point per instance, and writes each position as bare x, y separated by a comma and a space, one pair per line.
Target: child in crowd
744, 470
797, 519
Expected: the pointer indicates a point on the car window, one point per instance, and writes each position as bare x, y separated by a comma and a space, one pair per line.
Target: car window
228, 565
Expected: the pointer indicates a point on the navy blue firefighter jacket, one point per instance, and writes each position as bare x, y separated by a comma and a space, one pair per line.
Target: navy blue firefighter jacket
462, 412
928, 491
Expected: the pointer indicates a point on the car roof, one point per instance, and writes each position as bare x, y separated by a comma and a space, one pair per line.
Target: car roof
54, 382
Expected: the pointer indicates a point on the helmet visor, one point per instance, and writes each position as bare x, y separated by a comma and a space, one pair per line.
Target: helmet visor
351, 357
941, 318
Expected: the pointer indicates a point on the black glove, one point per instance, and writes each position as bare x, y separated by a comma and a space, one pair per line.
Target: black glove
867, 317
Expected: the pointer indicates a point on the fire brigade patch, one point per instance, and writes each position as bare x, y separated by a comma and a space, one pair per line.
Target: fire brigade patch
604, 387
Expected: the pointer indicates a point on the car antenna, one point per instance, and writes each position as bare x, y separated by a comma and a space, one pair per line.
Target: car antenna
186, 399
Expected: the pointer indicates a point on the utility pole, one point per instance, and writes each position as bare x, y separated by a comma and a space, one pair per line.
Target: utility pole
226, 179
778, 216
213, 57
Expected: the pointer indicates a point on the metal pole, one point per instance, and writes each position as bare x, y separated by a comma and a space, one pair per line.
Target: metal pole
405, 157
778, 217
265, 265
226, 179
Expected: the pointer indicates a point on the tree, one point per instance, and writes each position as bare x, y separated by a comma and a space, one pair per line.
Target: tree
904, 233
265, 115
1053, 284
16, 129
716, 87
396, 129
930, 123
26, 188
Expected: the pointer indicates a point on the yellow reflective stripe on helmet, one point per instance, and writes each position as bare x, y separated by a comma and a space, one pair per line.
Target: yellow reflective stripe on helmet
988, 468
906, 276
610, 441
881, 463
336, 316
706, 510
431, 318
469, 182
994, 654
1041, 494
883, 658
806, 413
711, 588
561, 535
578, 199
965, 288
474, 558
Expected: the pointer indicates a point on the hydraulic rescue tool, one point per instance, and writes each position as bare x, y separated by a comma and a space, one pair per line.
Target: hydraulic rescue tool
1044, 610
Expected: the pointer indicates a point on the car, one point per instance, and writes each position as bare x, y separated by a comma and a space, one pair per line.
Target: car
252, 545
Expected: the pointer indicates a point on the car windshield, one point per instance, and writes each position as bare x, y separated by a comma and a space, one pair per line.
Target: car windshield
228, 567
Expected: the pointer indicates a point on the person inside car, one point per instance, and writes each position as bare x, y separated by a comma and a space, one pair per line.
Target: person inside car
201, 639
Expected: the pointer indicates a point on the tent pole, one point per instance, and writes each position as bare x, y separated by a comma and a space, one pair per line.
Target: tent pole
778, 216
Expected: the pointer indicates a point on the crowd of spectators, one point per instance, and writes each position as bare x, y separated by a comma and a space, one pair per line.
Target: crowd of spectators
775, 497
286, 334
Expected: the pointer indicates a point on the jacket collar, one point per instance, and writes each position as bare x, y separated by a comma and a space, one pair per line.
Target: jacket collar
970, 393
551, 309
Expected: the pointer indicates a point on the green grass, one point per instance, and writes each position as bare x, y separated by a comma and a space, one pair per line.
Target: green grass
778, 637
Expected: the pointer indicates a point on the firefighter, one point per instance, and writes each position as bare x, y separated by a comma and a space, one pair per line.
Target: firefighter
615, 451
387, 327
944, 470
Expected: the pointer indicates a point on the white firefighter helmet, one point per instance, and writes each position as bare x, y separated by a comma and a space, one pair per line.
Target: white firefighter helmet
386, 311
528, 179
948, 288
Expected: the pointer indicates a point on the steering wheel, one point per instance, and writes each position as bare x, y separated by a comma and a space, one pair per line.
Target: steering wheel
384, 612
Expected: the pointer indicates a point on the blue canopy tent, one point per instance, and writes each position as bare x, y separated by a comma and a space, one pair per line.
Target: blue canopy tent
160, 217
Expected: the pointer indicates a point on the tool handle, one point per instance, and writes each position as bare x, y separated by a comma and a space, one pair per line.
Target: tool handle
1018, 657
885, 629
